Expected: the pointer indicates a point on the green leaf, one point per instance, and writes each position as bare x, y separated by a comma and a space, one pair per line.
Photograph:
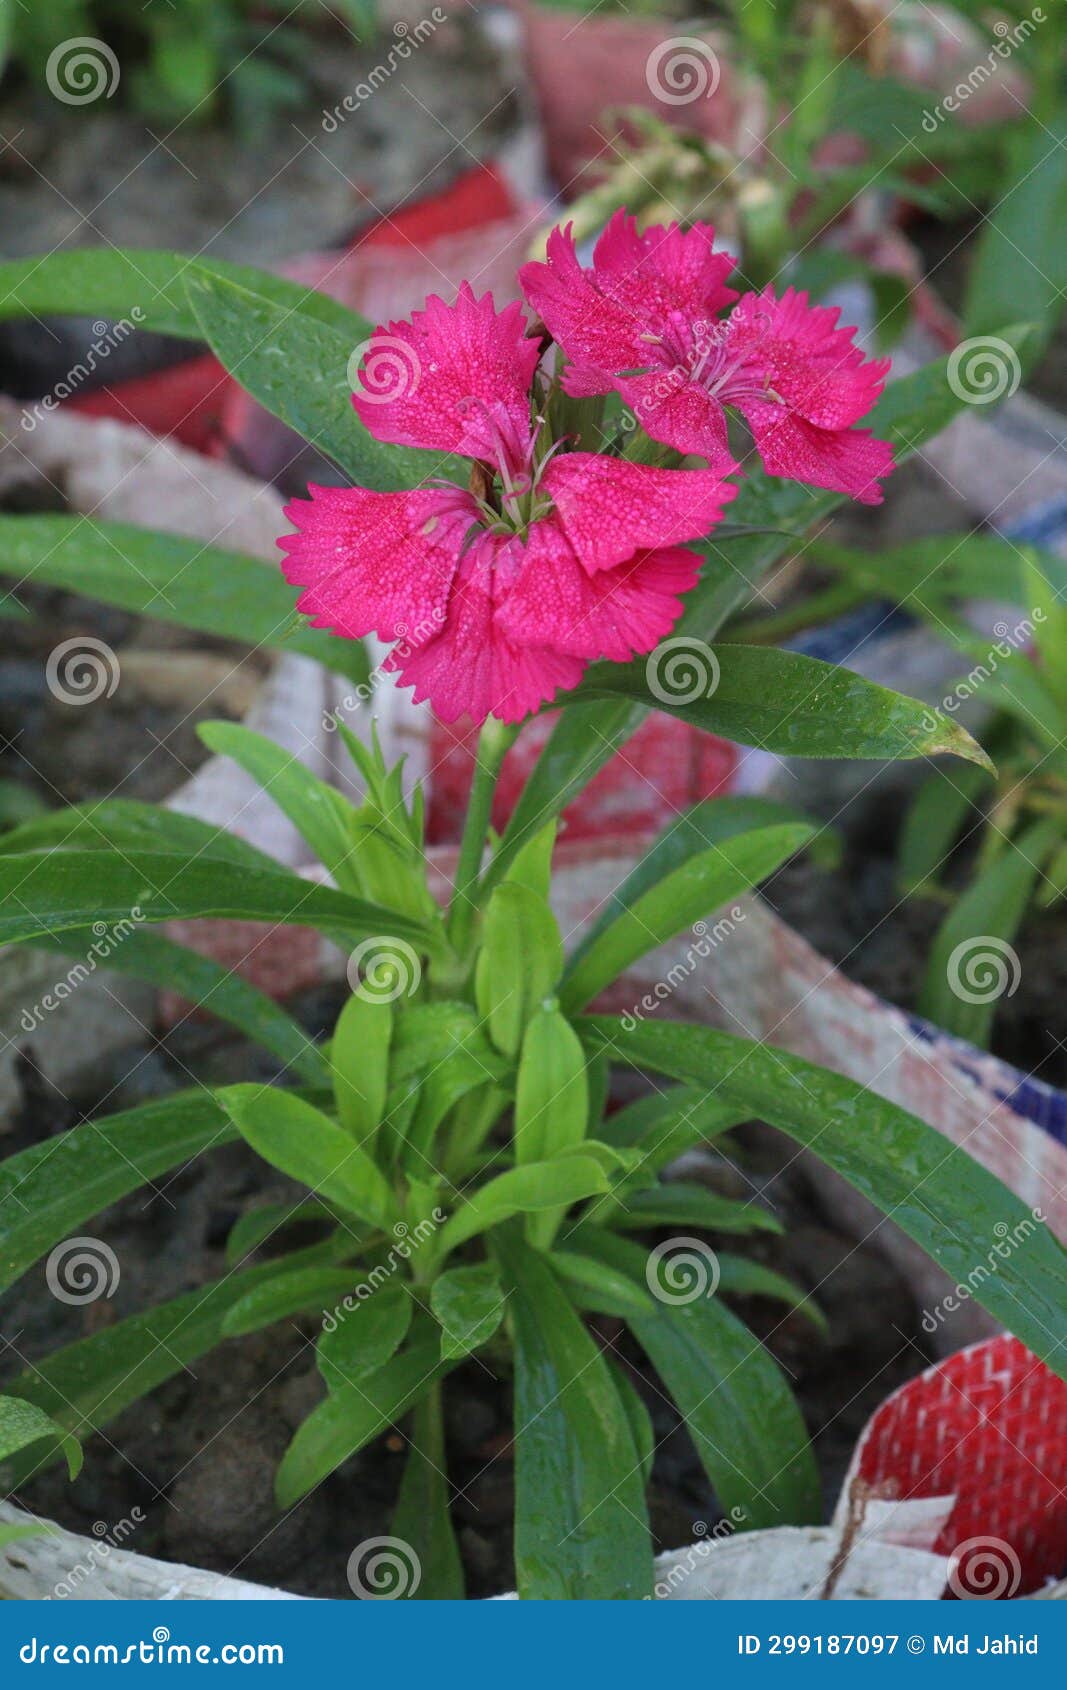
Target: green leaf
678, 1204
263, 1224
1020, 251
552, 1093
87, 1383
785, 702
738, 1408
926, 575
422, 1511
469, 1302
172, 579
351, 1417
640, 1421
23, 1423
292, 1135
148, 288
291, 1291
699, 886
359, 1056
581, 1524
528, 1190
931, 1188
594, 1286
971, 962
48, 1190
740, 1277
298, 368
519, 964
360, 1337
319, 813
49, 892
933, 822
209, 985
128, 825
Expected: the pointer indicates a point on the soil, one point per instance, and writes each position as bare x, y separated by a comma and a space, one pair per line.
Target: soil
167, 680
73, 177
197, 1459
856, 917
947, 250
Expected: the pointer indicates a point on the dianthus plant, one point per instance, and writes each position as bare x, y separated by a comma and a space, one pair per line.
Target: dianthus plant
482, 1164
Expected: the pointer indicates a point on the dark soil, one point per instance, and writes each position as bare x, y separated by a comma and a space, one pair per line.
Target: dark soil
198, 1457
856, 917
139, 742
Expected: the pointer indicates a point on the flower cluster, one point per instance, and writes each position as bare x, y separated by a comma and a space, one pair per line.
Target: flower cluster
550, 557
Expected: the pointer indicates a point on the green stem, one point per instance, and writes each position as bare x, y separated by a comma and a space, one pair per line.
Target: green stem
494, 742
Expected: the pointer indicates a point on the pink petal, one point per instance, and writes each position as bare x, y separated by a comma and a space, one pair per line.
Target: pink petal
375, 562
599, 335
682, 414
612, 615
475, 666
456, 378
844, 460
663, 269
610, 508
810, 363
